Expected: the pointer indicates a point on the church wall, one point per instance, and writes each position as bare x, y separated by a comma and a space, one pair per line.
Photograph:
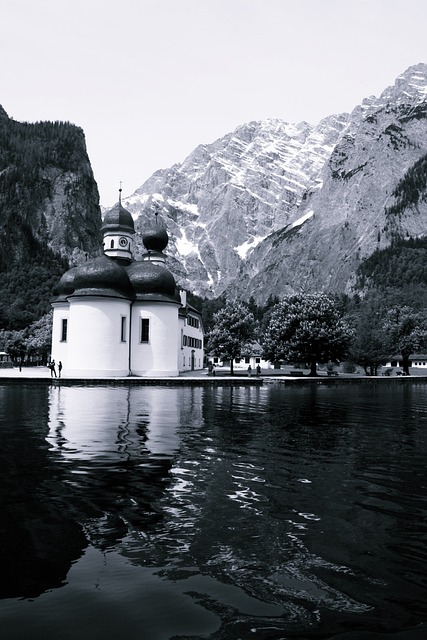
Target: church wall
59, 346
158, 357
95, 347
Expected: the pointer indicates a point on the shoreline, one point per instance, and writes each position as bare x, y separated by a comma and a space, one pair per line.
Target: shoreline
41, 375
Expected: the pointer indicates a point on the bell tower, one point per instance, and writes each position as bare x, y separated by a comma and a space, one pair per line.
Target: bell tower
118, 229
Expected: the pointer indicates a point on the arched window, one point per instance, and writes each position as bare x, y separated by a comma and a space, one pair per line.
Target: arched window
112, 244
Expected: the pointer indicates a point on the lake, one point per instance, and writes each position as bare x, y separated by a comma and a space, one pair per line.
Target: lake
160, 513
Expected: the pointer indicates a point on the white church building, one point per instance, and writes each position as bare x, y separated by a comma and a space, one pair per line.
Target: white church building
114, 316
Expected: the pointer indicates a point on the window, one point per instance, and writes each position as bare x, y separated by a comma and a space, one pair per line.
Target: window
123, 329
145, 329
193, 322
112, 244
247, 360
257, 360
64, 330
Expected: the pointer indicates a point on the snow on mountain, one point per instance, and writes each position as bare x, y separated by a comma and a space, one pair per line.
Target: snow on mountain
274, 207
228, 196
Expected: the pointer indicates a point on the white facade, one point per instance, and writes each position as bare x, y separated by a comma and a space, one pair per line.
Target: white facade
252, 357
191, 338
118, 317
61, 315
420, 362
153, 339
416, 360
242, 364
95, 345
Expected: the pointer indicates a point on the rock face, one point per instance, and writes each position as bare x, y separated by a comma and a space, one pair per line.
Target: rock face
274, 208
49, 214
49, 201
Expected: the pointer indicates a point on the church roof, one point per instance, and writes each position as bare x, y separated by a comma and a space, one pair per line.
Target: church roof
102, 277
155, 239
118, 219
150, 278
109, 276
65, 286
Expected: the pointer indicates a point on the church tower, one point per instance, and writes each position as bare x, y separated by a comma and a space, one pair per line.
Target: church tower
118, 229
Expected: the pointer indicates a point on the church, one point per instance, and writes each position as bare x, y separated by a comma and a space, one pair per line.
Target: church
114, 316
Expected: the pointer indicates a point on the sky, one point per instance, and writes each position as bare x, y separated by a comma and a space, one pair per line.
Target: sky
150, 80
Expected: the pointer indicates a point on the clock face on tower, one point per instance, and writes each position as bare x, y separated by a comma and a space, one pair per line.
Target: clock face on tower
123, 242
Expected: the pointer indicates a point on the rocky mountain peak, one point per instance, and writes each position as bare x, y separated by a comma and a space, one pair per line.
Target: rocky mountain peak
409, 87
274, 206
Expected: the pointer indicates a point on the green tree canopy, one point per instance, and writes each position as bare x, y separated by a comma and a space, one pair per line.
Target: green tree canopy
38, 339
405, 331
35, 340
233, 327
366, 315
307, 328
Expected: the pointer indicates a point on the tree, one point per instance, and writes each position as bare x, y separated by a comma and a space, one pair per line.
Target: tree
307, 328
35, 340
15, 346
233, 327
405, 331
368, 346
38, 339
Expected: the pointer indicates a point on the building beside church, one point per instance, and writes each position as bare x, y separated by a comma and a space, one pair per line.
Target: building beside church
115, 316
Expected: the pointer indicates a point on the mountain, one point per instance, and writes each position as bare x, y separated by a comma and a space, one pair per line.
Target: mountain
275, 208
49, 213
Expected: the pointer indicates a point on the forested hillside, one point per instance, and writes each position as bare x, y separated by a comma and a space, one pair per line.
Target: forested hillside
401, 265
49, 213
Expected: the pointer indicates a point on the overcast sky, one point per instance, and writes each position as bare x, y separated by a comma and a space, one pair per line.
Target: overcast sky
149, 80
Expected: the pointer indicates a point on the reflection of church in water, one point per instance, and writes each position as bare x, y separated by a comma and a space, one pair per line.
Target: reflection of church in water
115, 316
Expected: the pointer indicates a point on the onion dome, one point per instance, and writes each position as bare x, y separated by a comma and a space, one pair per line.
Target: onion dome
118, 219
65, 286
155, 239
102, 277
151, 278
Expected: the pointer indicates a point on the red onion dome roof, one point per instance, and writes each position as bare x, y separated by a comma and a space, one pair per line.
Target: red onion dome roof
118, 219
151, 278
102, 276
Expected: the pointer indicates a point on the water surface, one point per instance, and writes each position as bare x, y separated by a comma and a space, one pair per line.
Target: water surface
160, 513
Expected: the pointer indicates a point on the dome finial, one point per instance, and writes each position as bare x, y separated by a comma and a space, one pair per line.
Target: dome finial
120, 192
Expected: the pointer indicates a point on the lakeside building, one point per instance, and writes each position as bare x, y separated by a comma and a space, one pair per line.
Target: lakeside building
251, 355
416, 360
116, 316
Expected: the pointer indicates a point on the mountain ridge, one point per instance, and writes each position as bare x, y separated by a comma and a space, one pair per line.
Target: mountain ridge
277, 207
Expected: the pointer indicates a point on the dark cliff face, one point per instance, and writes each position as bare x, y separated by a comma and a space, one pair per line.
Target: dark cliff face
48, 196
49, 208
